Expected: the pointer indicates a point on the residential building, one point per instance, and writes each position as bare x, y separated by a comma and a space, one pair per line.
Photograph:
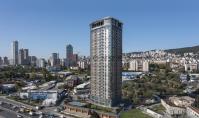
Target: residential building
191, 67
133, 65
145, 67
82, 64
139, 65
106, 61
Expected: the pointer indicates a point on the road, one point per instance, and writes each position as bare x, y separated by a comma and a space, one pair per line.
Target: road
13, 112
50, 110
4, 99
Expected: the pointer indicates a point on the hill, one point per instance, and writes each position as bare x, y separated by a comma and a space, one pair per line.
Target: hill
194, 49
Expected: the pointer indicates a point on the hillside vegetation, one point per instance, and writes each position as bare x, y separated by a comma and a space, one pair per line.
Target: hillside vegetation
194, 49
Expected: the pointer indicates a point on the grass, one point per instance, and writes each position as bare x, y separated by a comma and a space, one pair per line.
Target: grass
159, 109
134, 113
101, 108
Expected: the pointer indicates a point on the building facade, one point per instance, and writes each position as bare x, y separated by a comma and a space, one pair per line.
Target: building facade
106, 61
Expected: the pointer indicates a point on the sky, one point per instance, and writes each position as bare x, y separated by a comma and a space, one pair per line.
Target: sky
47, 26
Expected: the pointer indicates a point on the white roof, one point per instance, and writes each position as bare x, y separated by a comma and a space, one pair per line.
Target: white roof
83, 85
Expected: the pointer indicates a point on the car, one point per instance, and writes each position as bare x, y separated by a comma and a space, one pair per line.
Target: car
61, 116
19, 116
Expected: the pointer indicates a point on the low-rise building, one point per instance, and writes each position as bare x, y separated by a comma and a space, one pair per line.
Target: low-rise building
192, 112
82, 89
72, 81
49, 97
139, 65
184, 101
8, 88
172, 109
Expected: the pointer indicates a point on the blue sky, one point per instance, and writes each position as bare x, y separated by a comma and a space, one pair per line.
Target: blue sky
46, 26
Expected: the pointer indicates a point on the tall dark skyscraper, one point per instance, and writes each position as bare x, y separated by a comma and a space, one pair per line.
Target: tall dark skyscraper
14, 52
54, 59
69, 54
23, 58
106, 61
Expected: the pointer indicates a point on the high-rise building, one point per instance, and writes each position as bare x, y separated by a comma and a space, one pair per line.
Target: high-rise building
21, 57
26, 57
14, 52
1, 61
106, 61
40, 63
5, 61
75, 59
33, 60
69, 54
54, 61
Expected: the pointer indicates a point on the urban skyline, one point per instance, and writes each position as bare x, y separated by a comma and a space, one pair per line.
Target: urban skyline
170, 24
143, 61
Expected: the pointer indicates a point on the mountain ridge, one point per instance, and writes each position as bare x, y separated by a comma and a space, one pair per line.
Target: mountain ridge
181, 51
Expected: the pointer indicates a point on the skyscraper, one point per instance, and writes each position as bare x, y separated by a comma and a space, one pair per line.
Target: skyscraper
15, 52
33, 60
54, 61
26, 57
106, 61
23, 58
69, 53
5, 61
1, 61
